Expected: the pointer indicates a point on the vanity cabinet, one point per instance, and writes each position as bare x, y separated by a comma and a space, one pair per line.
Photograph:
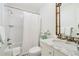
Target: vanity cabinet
47, 50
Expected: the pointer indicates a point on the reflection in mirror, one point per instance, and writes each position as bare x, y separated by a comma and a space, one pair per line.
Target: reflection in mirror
69, 21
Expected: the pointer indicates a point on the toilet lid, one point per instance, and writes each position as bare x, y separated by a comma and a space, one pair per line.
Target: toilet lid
35, 50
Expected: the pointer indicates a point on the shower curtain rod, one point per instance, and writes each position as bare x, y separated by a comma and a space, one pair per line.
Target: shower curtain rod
21, 9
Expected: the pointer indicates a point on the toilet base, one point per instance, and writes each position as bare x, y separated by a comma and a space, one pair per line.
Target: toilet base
35, 51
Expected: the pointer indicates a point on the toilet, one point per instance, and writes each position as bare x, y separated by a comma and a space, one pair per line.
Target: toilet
35, 51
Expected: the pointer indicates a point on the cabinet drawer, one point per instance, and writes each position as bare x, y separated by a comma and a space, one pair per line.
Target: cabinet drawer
58, 53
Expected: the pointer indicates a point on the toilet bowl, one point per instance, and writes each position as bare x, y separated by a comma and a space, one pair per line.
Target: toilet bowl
35, 51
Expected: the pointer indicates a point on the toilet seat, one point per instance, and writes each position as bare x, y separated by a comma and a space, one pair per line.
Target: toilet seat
36, 51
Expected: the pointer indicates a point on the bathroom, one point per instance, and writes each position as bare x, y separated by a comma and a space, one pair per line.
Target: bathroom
39, 29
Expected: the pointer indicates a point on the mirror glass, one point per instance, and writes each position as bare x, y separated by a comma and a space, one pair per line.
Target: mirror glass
69, 19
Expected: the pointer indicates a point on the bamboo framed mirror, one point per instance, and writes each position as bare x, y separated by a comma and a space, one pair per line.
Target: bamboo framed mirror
58, 30
67, 21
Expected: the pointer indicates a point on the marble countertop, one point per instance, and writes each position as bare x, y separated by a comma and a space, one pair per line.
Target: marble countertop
68, 48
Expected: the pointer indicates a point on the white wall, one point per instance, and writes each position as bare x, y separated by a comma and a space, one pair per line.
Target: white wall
1, 13
47, 13
2, 23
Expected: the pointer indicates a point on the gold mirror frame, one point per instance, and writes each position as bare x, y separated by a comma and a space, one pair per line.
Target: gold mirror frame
58, 22
58, 29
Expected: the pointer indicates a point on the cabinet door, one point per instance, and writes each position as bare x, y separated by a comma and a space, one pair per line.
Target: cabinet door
58, 53
46, 50
50, 51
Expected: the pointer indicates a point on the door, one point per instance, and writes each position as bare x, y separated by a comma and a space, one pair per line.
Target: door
58, 53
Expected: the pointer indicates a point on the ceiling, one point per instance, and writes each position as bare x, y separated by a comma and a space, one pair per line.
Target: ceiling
31, 7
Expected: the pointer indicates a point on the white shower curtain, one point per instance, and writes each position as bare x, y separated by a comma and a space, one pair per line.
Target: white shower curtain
31, 31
